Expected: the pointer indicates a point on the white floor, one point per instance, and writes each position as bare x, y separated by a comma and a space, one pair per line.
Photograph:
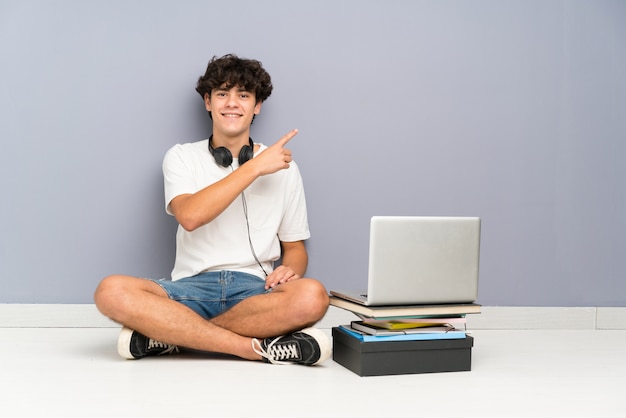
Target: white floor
75, 372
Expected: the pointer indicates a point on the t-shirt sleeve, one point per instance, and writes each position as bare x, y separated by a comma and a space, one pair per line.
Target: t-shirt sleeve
177, 176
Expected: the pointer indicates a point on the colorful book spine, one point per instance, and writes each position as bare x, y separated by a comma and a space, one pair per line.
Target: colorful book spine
407, 323
451, 335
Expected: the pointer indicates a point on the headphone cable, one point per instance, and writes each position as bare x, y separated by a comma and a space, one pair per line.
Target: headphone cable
245, 212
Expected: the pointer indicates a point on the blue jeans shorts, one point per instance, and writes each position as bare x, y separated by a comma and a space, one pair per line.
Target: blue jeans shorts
212, 293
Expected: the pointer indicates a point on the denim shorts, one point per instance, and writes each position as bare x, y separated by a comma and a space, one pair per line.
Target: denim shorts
212, 293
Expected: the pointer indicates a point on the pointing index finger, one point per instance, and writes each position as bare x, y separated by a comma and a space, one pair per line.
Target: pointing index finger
286, 138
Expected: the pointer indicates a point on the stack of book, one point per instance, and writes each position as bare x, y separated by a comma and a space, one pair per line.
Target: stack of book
404, 339
406, 323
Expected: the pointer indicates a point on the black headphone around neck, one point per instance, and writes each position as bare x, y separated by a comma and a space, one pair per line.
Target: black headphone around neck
224, 157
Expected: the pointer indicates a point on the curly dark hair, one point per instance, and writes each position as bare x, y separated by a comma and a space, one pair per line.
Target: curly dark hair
230, 71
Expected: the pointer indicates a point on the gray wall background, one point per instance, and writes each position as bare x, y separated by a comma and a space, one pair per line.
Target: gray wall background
508, 110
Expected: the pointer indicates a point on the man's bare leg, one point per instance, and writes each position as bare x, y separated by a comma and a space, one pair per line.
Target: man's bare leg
143, 306
289, 307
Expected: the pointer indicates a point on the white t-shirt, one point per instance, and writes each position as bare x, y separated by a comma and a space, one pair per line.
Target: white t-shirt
276, 209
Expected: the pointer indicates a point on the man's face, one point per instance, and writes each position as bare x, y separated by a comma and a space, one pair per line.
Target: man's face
232, 110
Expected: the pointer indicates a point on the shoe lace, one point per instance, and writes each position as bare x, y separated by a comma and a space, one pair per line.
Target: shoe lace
167, 348
276, 353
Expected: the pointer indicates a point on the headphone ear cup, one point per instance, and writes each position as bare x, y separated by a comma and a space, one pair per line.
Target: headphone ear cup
223, 156
246, 153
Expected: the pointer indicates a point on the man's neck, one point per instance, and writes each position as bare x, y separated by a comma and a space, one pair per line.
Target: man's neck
233, 143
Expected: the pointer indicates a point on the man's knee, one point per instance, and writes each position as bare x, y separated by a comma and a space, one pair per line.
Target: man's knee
313, 298
111, 295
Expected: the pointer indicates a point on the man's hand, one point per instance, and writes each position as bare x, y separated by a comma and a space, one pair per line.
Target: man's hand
282, 274
275, 157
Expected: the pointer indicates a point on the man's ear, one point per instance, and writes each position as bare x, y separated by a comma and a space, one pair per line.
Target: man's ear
257, 108
207, 101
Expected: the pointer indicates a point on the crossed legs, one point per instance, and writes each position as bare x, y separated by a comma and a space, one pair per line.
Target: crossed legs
143, 306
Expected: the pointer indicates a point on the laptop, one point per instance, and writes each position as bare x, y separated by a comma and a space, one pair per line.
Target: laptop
416, 260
